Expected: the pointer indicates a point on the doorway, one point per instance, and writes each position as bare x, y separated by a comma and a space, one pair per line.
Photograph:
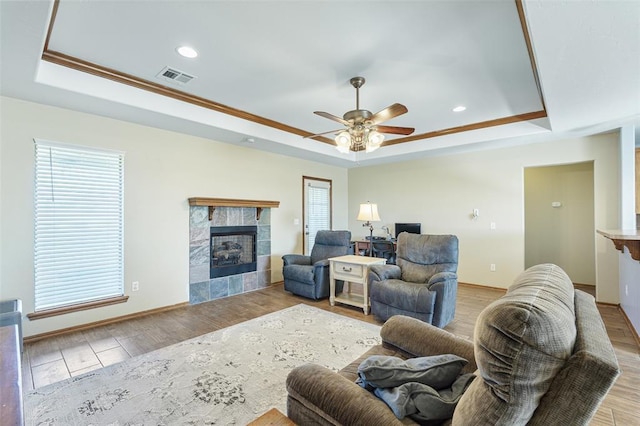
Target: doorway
559, 219
316, 196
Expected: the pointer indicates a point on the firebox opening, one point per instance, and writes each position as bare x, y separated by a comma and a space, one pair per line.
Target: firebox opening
233, 250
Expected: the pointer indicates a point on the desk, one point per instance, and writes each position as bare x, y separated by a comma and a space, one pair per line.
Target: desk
364, 245
351, 269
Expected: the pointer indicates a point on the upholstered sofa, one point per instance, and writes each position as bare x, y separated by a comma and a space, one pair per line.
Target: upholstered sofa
541, 356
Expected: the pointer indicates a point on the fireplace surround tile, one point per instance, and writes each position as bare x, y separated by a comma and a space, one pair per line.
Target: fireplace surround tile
219, 287
198, 217
250, 281
249, 216
199, 236
264, 279
198, 273
264, 233
264, 263
198, 254
201, 287
263, 248
235, 284
199, 292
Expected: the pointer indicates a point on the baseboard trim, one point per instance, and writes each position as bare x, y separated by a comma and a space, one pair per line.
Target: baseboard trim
36, 337
630, 325
483, 286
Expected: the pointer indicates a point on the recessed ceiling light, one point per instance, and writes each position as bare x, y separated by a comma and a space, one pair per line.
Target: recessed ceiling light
187, 52
459, 108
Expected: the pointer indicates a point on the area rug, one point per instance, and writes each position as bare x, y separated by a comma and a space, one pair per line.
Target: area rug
230, 376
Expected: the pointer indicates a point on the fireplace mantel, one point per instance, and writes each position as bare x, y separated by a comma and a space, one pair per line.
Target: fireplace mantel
212, 203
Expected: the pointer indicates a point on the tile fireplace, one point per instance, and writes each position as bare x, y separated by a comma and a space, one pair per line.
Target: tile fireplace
229, 251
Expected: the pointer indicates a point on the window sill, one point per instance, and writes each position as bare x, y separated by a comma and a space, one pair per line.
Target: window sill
75, 308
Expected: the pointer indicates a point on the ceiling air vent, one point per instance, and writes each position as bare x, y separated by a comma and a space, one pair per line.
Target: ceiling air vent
174, 76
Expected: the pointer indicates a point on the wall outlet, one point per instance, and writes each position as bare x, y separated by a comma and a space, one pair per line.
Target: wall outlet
492, 267
135, 286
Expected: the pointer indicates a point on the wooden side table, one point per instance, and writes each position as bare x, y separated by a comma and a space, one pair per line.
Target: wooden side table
351, 269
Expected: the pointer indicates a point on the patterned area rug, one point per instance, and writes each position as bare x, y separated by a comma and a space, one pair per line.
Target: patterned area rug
230, 376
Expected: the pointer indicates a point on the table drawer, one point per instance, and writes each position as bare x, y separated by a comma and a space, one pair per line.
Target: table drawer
348, 270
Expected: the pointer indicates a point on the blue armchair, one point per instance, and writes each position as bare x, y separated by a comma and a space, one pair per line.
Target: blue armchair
308, 276
423, 284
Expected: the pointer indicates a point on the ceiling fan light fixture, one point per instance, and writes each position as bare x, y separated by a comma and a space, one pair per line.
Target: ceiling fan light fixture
364, 132
343, 141
375, 138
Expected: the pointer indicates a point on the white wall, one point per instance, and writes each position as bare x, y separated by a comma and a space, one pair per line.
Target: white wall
441, 192
162, 170
629, 268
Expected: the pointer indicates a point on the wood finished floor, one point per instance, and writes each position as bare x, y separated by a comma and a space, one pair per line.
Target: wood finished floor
57, 358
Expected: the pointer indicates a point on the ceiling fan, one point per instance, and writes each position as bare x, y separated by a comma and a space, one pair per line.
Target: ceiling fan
364, 131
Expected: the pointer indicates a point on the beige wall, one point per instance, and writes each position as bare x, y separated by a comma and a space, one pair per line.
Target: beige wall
564, 234
441, 192
162, 170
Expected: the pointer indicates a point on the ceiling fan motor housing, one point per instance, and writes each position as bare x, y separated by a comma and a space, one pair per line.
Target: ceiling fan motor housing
357, 116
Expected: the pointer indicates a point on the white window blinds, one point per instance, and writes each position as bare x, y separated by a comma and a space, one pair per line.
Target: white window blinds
78, 225
319, 204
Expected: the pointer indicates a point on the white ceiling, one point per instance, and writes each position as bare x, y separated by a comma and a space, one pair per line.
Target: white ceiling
275, 62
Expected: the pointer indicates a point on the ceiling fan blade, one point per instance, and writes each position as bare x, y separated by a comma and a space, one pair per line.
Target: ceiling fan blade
323, 133
332, 117
395, 130
388, 113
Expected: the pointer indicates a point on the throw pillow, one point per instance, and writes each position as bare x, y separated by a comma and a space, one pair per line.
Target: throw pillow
437, 371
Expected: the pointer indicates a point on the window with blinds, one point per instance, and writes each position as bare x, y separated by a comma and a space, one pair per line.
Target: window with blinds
318, 209
78, 225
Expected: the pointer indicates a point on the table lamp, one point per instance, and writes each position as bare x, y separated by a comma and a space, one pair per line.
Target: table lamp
369, 213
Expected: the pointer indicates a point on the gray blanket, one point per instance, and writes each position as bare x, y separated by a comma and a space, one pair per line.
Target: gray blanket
426, 389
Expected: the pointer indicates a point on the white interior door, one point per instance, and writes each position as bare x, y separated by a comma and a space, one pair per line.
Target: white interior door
317, 209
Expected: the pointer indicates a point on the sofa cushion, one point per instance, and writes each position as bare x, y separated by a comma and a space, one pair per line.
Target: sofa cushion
423, 299
300, 273
522, 341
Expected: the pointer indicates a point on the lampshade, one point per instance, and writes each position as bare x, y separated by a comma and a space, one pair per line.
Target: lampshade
369, 212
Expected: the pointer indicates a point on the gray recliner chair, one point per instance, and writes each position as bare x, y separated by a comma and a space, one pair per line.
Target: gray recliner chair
541, 352
308, 276
423, 284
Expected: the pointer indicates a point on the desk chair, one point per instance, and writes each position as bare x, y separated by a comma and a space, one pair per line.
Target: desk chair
385, 249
